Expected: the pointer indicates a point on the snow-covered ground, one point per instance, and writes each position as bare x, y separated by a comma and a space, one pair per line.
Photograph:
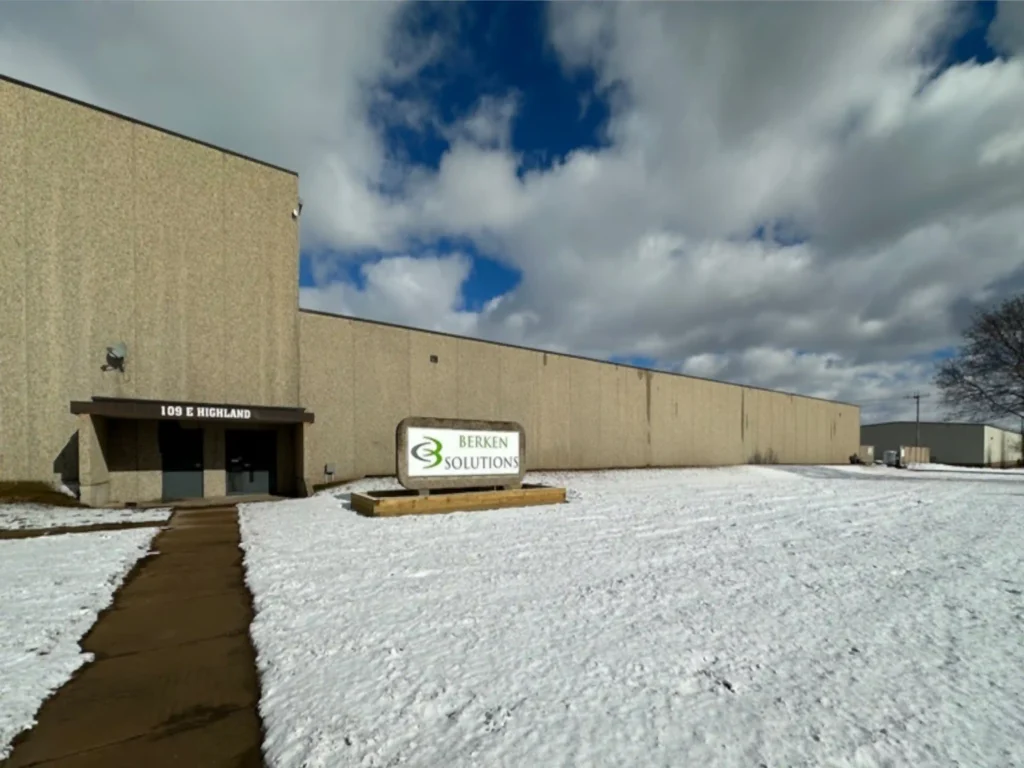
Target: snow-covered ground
755, 616
969, 470
52, 589
916, 472
26, 516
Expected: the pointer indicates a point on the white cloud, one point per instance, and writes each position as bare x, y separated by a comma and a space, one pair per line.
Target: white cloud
474, 190
488, 125
874, 386
827, 119
423, 292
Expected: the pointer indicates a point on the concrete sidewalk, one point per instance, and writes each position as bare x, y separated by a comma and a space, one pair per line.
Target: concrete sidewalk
174, 679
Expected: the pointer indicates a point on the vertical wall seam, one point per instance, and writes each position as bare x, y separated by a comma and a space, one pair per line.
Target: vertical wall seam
133, 180
743, 419
408, 375
268, 383
222, 261
572, 442
458, 379
26, 410
297, 329
352, 390
648, 378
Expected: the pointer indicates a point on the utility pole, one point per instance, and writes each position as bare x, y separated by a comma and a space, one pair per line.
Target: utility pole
917, 397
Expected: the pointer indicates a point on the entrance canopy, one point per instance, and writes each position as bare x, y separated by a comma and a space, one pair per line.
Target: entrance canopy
131, 408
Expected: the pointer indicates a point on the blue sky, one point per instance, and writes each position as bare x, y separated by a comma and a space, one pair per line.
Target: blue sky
503, 48
972, 43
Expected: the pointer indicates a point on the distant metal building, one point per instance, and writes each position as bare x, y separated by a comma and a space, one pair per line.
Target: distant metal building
962, 444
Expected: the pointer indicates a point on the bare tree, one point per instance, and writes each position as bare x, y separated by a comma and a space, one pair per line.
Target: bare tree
985, 379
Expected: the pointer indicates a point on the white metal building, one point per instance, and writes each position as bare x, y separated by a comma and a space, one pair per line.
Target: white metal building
964, 444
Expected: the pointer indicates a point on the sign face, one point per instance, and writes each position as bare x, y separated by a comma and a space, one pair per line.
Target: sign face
176, 411
449, 453
441, 452
136, 408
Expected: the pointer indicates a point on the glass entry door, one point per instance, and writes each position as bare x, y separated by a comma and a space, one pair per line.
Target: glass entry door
251, 461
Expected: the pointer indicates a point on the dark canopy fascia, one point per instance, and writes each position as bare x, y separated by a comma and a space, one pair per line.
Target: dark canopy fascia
179, 410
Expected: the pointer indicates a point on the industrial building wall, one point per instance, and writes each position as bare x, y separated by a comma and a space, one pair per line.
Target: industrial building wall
362, 378
113, 231
1002, 447
951, 443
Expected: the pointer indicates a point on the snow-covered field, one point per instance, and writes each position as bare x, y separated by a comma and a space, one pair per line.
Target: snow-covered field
26, 516
755, 616
968, 470
51, 590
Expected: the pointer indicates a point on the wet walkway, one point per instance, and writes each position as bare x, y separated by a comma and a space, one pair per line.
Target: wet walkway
174, 679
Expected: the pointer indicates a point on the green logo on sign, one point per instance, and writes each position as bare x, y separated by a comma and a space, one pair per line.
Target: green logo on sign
431, 449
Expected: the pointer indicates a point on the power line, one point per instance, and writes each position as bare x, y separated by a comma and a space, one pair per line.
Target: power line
887, 399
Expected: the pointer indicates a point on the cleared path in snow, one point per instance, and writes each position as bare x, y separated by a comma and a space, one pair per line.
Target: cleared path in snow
174, 682
735, 617
51, 591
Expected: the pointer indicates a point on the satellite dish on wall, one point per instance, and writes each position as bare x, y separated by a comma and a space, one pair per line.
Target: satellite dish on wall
116, 356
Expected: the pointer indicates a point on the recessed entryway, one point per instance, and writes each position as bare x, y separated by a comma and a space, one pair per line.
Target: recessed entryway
144, 450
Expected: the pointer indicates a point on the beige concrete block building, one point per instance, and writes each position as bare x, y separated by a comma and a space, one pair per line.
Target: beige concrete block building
137, 369
957, 443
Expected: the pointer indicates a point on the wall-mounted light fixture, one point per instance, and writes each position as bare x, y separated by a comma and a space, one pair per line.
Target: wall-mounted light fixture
116, 356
